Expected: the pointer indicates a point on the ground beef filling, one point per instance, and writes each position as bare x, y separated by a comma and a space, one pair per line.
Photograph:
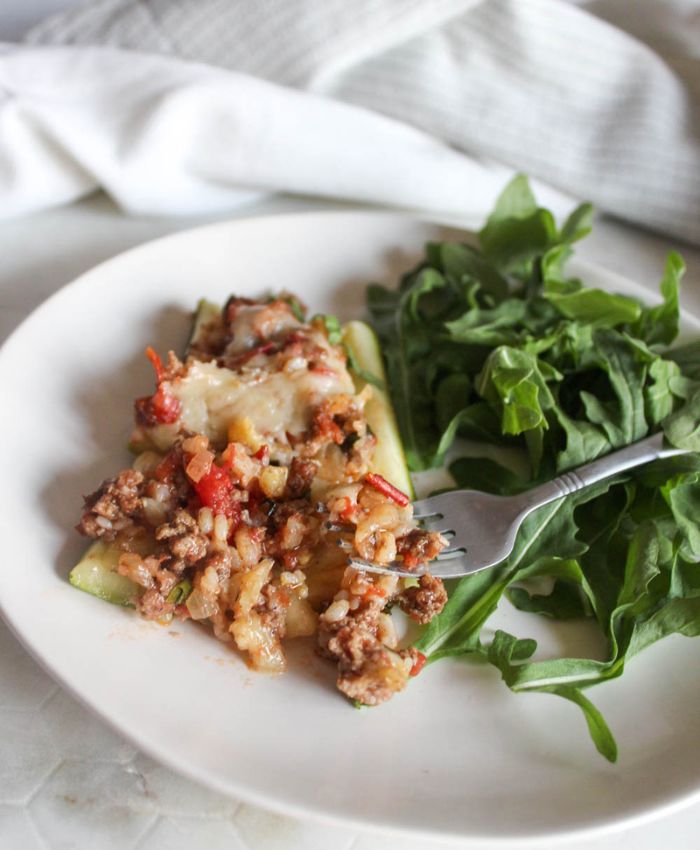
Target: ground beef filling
114, 508
234, 535
424, 601
185, 541
358, 633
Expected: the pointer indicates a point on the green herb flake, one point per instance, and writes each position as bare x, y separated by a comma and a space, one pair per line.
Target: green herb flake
178, 595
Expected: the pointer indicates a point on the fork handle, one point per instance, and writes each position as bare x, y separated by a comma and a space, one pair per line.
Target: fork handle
636, 454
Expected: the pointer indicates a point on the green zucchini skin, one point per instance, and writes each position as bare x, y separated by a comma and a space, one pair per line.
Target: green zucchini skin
389, 459
96, 573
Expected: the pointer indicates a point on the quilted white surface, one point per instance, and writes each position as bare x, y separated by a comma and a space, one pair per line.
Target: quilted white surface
66, 780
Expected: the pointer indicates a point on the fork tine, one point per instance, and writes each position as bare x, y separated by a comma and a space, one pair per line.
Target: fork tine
396, 568
445, 568
424, 508
451, 554
454, 567
439, 524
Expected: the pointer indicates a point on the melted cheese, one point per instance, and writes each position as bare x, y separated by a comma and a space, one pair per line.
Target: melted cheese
275, 394
275, 402
256, 322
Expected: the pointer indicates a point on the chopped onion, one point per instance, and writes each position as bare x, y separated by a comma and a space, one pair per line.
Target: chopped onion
154, 511
200, 606
200, 465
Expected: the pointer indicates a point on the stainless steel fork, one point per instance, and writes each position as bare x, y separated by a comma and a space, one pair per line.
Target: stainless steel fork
481, 528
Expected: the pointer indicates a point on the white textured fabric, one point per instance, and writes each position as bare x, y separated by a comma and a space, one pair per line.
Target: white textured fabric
163, 136
404, 102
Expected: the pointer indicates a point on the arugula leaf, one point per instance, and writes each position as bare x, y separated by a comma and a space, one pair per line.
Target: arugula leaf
600, 308
598, 729
492, 341
683, 496
515, 201
451, 395
659, 395
547, 533
485, 474
564, 602
506, 651
682, 428
516, 228
489, 326
477, 421
678, 616
515, 385
627, 376
464, 266
660, 324
687, 357
584, 441
578, 224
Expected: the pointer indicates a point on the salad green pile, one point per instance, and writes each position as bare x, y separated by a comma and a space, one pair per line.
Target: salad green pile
495, 343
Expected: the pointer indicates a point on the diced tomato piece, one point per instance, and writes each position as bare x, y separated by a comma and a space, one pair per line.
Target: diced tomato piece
215, 490
165, 407
383, 486
374, 590
418, 664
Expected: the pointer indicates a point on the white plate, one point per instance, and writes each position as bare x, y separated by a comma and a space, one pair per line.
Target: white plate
456, 754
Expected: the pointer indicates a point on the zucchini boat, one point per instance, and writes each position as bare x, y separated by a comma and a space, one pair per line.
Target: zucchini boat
95, 572
262, 456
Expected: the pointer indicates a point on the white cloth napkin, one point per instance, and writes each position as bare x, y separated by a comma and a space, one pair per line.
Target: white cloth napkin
426, 104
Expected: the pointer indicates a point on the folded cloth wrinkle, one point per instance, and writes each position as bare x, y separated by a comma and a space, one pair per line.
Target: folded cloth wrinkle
426, 104
163, 136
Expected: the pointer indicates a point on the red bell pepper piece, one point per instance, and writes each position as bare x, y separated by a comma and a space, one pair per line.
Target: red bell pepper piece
418, 664
383, 486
